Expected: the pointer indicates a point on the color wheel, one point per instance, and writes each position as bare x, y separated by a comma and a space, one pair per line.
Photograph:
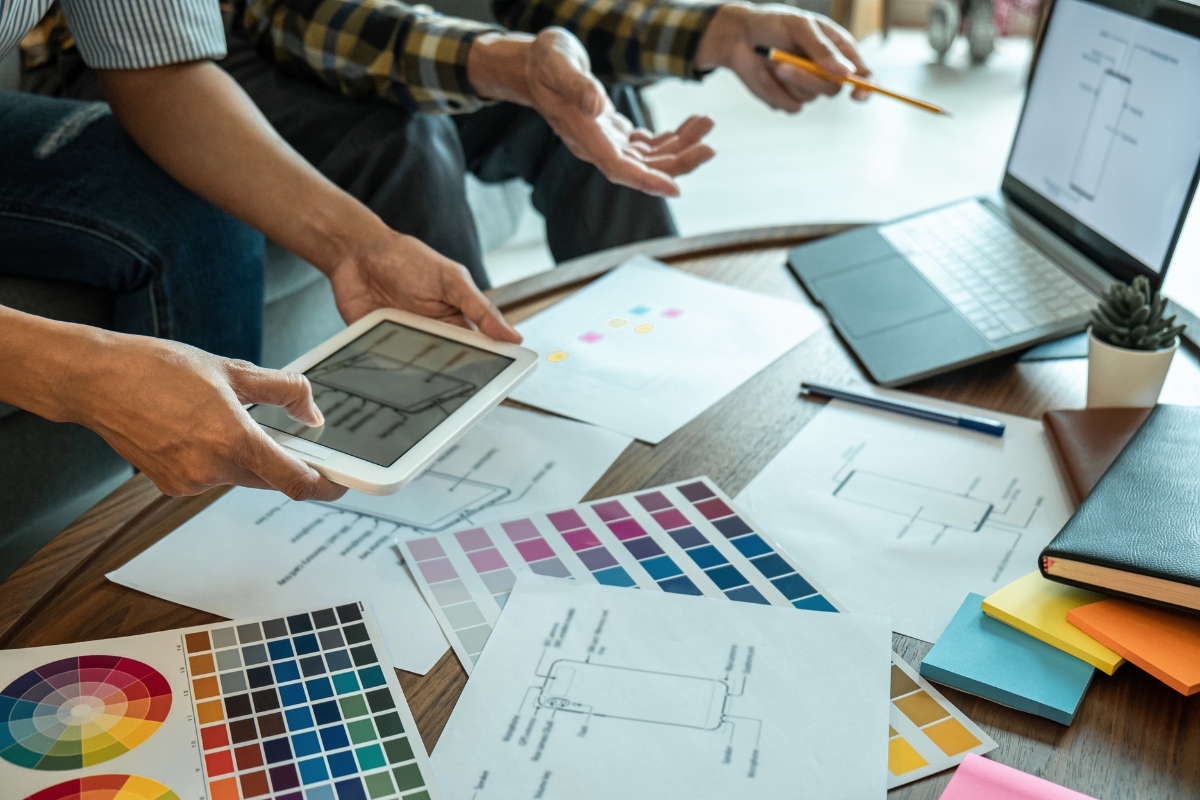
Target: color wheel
82, 711
106, 787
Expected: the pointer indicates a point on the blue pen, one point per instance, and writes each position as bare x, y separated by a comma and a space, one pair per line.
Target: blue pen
992, 427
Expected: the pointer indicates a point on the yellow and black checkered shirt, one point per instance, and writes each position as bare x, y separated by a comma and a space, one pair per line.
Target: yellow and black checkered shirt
384, 48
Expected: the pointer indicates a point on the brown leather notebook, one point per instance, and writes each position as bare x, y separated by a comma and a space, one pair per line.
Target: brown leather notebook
1085, 442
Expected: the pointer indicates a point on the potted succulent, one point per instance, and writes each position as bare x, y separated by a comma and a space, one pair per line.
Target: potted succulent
1130, 346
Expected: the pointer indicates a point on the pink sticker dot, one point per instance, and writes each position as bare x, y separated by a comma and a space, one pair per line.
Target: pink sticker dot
672, 313
590, 337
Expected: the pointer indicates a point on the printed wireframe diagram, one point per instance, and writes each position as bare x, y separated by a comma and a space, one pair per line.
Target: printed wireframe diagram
933, 509
618, 694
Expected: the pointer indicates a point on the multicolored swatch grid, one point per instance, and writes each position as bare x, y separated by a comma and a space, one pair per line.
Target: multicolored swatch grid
302, 708
685, 538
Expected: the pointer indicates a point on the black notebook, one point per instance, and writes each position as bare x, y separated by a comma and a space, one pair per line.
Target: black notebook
1138, 532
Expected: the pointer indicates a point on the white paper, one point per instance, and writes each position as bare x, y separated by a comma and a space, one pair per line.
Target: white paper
647, 348
513, 462
255, 552
589, 691
904, 517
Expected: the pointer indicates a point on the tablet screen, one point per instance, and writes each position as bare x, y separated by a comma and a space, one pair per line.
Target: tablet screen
386, 390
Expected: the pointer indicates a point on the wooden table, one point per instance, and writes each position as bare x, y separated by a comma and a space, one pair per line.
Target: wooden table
1133, 738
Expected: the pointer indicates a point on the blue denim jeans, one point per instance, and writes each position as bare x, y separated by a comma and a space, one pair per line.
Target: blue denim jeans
79, 202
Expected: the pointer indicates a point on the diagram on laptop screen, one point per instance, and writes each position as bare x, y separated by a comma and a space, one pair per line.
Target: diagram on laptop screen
386, 390
1111, 127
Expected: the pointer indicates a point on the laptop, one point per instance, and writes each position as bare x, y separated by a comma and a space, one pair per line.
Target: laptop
1099, 179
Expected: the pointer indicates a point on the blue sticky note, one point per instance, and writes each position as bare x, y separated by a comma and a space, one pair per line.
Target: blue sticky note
985, 657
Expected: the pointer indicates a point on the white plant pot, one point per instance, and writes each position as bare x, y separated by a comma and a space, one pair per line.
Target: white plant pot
1120, 377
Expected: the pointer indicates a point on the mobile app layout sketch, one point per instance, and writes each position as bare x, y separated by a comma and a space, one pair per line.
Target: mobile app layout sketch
594, 690
386, 390
662, 698
1100, 133
923, 508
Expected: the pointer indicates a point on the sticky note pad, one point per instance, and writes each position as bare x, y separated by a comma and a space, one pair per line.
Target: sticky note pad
985, 657
1039, 607
979, 778
1164, 643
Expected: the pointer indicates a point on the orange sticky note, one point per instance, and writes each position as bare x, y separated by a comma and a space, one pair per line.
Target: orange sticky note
1164, 643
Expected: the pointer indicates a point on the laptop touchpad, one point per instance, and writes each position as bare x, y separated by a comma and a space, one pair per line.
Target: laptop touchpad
872, 297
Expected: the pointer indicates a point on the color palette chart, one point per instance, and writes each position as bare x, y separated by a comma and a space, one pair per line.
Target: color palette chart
302, 707
685, 538
107, 787
76, 712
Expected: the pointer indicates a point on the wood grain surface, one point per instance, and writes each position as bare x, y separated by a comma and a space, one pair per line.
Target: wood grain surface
1133, 738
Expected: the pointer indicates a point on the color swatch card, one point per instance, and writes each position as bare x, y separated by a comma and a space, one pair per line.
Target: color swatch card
647, 348
1164, 643
685, 538
904, 517
303, 707
1039, 607
255, 552
589, 692
983, 779
985, 657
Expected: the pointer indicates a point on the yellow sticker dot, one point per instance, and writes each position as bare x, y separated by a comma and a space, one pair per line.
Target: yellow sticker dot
617, 322
645, 327
556, 356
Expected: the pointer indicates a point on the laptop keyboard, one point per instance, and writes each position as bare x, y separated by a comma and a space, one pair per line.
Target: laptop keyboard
1003, 285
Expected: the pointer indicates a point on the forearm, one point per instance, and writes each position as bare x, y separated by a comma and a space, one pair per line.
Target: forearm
626, 41
197, 124
40, 361
370, 49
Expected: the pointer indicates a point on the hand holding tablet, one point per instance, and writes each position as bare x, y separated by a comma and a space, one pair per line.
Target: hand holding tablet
396, 390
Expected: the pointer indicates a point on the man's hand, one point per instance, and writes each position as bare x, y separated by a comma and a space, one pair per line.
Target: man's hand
736, 29
397, 271
552, 73
173, 411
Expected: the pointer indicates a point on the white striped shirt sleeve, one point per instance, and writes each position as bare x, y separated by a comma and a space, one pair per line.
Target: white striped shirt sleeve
135, 34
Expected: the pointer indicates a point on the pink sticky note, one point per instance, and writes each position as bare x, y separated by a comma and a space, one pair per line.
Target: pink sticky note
979, 778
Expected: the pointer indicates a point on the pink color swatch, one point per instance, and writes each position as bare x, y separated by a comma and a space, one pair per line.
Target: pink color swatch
591, 336
626, 529
534, 549
672, 313
714, 509
568, 520
581, 540
474, 539
424, 549
979, 778
520, 530
438, 570
671, 519
487, 560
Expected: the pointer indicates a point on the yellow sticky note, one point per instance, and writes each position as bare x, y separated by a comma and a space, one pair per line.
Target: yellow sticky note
1039, 607
645, 327
556, 356
617, 322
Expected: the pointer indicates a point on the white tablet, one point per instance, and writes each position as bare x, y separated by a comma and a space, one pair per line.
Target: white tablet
396, 390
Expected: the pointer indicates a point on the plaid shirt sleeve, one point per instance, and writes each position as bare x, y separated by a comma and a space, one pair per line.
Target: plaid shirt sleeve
633, 41
369, 48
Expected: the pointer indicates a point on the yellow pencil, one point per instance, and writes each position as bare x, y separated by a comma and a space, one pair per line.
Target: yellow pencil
858, 83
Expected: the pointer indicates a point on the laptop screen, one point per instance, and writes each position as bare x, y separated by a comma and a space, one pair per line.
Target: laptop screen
1108, 146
